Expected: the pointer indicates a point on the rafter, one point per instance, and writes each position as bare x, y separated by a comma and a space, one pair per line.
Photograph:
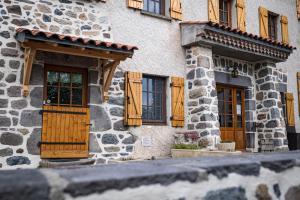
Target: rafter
108, 72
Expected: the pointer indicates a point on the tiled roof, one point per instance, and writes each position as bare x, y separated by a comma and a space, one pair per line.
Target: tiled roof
75, 39
239, 32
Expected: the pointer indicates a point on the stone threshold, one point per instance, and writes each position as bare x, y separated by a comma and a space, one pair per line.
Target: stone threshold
62, 163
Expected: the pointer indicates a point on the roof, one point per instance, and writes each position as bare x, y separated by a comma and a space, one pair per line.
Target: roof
36, 34
241, 33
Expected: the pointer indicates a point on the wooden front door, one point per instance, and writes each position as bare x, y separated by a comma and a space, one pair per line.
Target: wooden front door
232, 115
66, 118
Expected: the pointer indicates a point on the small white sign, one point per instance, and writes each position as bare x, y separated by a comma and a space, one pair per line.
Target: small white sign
238, 109
146, 141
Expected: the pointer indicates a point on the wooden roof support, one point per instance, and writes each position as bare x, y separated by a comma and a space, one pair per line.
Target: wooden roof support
108, 73
29, 56
92, 53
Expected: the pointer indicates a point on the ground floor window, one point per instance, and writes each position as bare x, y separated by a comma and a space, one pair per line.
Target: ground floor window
154, 100
65, 86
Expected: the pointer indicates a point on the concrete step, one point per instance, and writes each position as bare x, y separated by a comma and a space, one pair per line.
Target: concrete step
64, 163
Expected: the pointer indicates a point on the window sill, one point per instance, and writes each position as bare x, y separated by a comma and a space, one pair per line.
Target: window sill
143, 12
154, 123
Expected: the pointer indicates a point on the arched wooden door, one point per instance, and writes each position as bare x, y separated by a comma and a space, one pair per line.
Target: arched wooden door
231, 104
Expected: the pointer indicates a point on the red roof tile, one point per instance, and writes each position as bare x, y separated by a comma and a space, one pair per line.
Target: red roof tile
236, 31
75, 39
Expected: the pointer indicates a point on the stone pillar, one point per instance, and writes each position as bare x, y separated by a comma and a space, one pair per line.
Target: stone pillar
270, 121
202, 95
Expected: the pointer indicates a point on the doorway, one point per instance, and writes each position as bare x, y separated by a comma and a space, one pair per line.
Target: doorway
231, 105
66, 118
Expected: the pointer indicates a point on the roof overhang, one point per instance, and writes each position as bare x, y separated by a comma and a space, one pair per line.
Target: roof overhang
36, 40
233, 43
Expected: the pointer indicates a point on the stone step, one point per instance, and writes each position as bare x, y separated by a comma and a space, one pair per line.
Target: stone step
62, 163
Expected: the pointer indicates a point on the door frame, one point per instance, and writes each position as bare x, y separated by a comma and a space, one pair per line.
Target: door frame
234, 87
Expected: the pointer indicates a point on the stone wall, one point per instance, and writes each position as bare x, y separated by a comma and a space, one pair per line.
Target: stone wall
252, 176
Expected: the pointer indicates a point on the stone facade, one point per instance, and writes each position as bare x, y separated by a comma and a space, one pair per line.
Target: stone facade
20, 117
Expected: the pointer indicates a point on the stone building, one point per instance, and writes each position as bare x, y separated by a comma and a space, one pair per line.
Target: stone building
116, 79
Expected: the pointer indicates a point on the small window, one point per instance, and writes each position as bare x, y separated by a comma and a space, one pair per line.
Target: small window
272, 23
225, 12
154, 100
155, 6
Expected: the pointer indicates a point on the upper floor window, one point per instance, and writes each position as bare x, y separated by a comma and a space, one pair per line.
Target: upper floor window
272, 25
225, 12
155, 6
154, 100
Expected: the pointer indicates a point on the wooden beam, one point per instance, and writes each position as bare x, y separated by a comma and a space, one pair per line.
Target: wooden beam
92, 53
29, 56
108, 72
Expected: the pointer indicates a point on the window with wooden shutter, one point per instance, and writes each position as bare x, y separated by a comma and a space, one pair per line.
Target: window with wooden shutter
284, 29
213, 11
137, 4
290, 109
176, 10
133, 99
241, 15
263, 22
177, 90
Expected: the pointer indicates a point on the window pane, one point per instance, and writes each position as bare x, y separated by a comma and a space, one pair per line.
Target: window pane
64, 95
151, 6
221, 94
144, 98
52, 95
76, 80
150, 99
222, 120
150, 113
157, 7
145, 112
52, 78
229, 121
221, 106
158, 113
145, 84
77, 96
228, 96
150, 84
228, 108
239, 121
239, 96
65, 79
159, 86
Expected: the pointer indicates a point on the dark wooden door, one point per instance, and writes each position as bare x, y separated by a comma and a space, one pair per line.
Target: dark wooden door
232, 114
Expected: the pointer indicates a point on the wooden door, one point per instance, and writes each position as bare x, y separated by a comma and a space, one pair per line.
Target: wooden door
66, 118
232, 115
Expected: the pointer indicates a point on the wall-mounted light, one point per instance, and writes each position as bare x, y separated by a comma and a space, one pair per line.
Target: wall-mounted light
234, 72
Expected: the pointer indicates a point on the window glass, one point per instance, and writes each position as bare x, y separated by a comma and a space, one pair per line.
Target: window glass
153, 99
154, 6
224, 12
272, 25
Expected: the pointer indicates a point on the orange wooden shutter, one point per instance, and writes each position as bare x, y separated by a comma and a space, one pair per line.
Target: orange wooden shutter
298, 84
241, 15
263, 22
133, 99
177, 91
284, 29
176, 10
137, 4
290, 109
298, 8
213, 10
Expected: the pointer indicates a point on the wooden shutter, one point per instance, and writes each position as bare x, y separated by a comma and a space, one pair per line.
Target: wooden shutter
133, 99
298, 8
263, 22
137, 4
284, 29
213, 11
176, 10
241, 15
290, 109
177, 90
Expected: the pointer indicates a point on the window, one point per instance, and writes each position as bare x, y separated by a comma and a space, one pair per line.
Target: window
155, 6
225, 12
65, 86
154, 100
272, 23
